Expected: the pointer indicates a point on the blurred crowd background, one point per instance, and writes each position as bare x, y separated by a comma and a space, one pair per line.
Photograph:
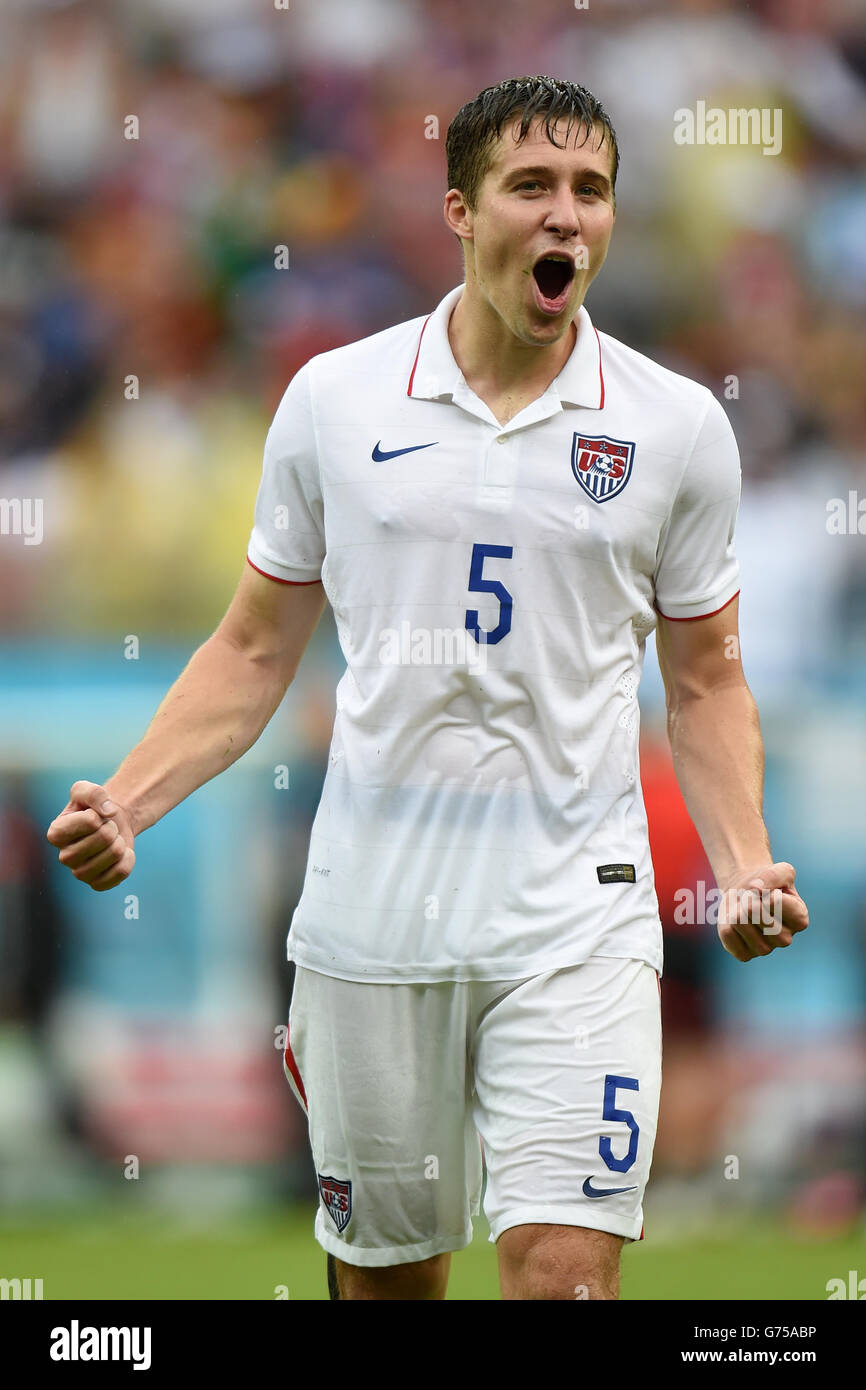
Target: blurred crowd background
146, 337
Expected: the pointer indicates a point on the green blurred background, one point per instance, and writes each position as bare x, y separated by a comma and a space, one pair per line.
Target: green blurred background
112, 1253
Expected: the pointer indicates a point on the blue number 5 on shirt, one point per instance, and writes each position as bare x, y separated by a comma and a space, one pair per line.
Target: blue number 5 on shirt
479, 585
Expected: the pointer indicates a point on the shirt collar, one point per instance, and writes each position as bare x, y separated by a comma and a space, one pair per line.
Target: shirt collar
435, 375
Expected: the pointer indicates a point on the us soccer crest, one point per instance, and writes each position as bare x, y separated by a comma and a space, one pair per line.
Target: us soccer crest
337, 1197
601, 466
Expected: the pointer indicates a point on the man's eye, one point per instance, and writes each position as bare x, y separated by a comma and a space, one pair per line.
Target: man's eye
533, 183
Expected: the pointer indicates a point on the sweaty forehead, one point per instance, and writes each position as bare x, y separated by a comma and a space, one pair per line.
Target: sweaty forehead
509, 150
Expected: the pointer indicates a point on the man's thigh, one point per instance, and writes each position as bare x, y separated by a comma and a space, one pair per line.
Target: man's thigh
567, 1077
383, 1073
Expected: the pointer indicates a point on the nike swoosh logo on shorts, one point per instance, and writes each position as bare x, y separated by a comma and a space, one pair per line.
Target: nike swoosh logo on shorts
590, 1191
379, 456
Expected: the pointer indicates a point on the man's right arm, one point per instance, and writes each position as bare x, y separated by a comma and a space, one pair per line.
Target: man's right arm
213, 713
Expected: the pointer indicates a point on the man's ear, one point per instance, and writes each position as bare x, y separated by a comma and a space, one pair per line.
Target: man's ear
458, 217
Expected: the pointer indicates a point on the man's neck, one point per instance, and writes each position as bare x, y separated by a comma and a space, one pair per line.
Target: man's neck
502, 371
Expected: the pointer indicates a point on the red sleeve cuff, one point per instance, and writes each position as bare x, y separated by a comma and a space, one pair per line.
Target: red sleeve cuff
698, 616
294, 582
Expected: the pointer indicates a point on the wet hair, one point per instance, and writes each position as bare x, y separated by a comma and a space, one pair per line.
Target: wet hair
478, 125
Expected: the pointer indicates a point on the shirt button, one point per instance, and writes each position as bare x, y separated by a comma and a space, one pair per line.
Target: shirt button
500, 439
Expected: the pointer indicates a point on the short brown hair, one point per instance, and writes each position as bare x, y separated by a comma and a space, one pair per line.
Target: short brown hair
478, 125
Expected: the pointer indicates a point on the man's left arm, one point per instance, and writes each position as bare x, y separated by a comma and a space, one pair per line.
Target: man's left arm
718, 757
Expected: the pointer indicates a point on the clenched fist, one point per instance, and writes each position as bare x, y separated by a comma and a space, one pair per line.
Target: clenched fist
760, 911
94, 836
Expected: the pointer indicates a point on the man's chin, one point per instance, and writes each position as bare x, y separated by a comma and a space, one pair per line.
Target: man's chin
547, 329
530, 326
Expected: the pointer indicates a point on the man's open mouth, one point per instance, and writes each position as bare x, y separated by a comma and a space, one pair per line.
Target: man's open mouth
553, 276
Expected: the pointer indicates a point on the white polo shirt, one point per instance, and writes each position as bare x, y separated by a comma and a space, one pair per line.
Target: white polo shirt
493, 588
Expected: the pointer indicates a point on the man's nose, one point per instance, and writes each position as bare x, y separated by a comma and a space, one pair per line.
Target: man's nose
562, 215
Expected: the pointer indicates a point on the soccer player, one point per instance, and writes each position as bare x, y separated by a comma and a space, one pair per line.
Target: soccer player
500, 503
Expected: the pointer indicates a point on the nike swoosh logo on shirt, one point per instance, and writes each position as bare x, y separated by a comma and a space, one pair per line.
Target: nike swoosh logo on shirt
590, 1191
379, 455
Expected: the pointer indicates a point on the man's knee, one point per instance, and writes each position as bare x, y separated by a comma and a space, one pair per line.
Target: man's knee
559, 1262
423, 1279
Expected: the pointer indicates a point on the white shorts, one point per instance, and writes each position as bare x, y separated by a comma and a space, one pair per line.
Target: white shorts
551, 1084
